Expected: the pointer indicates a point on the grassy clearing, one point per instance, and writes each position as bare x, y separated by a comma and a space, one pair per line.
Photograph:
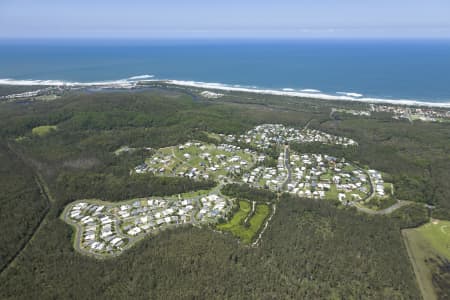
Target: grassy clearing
437, 233
238, 218
246, 232
47, 97
261, 213
425, 244
419, 252
332, 194
43, 130
214, 136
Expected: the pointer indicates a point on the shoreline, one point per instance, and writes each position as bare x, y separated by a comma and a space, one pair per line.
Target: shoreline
305, 94
142, 80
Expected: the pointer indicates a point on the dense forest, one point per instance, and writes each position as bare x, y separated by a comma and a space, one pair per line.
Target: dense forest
312, 249
21, 202
244, 191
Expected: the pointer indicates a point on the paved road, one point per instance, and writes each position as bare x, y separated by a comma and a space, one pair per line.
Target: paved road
386, 211
258, 239
131, 240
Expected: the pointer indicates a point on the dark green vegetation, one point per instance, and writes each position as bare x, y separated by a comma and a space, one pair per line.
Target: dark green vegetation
297, 259
411, 216
377, 203
16, 89
245, 224
441, 213
244, 191
22, 206
415, 155
310, 250
428, 247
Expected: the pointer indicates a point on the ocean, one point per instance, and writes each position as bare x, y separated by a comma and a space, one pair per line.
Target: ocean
386, 69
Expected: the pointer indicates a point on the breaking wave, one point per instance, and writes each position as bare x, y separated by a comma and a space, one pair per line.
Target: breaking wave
308, 93
133, 81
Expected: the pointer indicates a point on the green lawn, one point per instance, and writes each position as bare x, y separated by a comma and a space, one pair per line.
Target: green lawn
236, 226
43, 130
239, 217
214, 136
332, 194
424, 245
256, 221
437, 234
326, 176
420, 251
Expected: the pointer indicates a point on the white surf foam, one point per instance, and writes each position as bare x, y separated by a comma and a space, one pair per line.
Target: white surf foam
121, 83
354, 95
310, 91
139, 77
134, 81
9, 81
304, 94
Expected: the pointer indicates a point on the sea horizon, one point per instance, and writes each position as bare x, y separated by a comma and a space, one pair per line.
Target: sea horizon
414, 70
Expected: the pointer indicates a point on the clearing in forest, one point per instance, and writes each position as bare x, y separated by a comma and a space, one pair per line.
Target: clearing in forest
427, 245
437, 233
43, 130
246, 231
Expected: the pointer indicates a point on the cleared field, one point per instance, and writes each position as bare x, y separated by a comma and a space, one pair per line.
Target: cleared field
238, 218
214, 136
437, 233
47, 97
419, 251
256, 221
424, 245
43, 130
246, 232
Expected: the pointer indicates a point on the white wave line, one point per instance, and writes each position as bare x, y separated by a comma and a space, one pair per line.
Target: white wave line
320, 96
305, 93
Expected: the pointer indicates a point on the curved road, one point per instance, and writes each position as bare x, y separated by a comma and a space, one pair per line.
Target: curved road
386, 211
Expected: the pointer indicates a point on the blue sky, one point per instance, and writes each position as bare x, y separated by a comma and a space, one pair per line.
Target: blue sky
225, 19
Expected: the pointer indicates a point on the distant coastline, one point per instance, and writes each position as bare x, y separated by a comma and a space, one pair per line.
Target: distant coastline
142, 80
413, 71
311, 94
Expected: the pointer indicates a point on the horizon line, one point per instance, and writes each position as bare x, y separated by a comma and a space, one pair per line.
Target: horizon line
238, 38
